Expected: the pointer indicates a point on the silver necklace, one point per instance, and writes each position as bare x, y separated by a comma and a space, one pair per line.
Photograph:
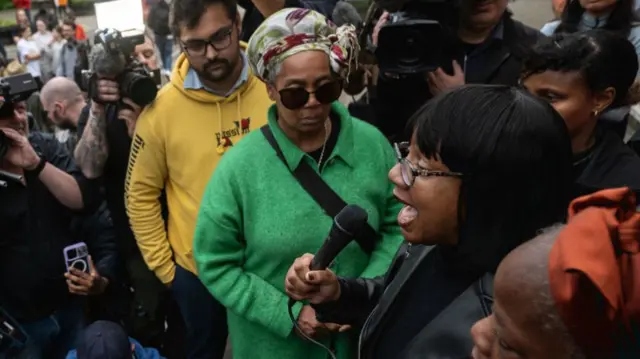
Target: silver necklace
324, 145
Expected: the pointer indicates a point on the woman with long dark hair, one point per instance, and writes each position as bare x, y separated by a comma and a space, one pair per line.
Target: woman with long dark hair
583, 15
487, 167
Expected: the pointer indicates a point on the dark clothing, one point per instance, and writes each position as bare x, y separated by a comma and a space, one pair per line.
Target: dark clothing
36, 228
431, 288
158, 19
113, 177
609, 164
204, 317
96, 230
326, 150
253, 18
422, 307
497, 61
147, 302
53, 336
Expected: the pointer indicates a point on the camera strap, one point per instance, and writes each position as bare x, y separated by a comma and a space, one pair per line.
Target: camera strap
320, 191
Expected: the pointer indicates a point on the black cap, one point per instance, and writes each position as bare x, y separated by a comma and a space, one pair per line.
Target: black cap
104, 340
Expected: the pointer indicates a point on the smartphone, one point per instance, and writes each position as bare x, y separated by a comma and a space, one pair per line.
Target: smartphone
77, 256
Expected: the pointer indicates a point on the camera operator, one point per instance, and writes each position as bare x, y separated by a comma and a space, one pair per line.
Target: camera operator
489, 49
103, 152
42, 193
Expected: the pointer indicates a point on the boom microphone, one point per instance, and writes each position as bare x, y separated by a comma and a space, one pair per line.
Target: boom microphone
104, 63
346, 14
346, 225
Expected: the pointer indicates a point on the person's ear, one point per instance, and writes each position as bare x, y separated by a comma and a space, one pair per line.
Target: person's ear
604, 99
238, 23
273, 93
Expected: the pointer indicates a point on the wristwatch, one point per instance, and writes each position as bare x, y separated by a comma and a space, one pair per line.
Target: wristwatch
36, 171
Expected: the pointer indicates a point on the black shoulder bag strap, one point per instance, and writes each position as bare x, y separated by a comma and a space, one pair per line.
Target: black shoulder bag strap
320, 191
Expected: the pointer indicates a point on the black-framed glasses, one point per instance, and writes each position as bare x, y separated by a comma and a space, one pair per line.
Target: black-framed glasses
410, 172
294, 98
219, 41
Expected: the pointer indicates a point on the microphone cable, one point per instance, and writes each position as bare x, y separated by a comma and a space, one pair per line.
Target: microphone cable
301, 332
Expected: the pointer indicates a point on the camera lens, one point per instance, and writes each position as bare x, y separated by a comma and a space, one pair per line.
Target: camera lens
139, 88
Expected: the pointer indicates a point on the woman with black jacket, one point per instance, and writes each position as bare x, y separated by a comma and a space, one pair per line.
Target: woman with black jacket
584, 75
487, 167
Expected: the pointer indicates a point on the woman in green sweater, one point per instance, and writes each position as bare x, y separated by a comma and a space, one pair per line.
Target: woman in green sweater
255, 218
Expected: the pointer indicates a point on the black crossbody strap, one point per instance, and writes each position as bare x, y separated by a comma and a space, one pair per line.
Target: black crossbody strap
320, 191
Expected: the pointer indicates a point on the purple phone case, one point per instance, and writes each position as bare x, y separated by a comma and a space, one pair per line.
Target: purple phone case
83, 256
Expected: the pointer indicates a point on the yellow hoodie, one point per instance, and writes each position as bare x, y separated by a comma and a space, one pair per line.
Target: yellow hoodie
178, 142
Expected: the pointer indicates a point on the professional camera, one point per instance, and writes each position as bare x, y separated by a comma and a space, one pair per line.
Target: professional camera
112, 57
13, 89
414, 39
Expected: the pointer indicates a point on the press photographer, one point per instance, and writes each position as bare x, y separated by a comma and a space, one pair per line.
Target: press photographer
106, 126
41, 194
445, 44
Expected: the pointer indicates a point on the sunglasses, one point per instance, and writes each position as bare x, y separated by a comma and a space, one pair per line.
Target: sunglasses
294, 98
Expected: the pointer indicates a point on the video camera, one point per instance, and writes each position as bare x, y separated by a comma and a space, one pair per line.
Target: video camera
13, 89
112, 57
415, 37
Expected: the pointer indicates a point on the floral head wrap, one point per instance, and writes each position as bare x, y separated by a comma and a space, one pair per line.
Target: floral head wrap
290, 31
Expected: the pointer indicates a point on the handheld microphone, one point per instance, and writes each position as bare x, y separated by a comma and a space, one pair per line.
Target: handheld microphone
346, 226
346, 14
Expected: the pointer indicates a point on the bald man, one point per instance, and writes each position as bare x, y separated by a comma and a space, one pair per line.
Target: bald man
63, 101
525, 322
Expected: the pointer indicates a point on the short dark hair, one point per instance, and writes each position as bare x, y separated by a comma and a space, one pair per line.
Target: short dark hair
188, 12
602, 57
69, 22
514, 152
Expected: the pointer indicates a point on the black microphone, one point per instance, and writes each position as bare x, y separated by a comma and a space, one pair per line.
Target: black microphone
346, 226
346, 14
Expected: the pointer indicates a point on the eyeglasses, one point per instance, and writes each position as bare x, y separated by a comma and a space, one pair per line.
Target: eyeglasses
410, 172
294, 98
219, 41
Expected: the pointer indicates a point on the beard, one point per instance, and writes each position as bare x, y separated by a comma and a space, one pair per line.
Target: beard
65, 124
217, 70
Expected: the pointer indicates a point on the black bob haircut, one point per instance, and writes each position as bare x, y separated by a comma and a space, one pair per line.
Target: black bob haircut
603, 58
514, 152
187, 13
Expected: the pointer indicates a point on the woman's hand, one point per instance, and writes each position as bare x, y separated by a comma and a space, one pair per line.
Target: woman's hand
311, 327
314, 286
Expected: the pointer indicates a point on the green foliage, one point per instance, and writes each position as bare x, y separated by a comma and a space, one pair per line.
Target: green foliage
6, 5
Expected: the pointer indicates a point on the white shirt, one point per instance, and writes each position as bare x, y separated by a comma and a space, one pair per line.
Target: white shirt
43, 40
29, 47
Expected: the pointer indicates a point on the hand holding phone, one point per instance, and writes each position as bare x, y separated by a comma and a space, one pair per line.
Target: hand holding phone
82, 276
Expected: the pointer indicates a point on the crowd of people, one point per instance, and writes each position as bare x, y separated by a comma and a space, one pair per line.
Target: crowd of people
499, 189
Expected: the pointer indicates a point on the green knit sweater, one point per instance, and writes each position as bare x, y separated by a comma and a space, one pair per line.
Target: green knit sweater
255, 219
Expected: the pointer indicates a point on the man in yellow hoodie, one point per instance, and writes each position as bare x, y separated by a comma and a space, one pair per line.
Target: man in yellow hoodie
212, 102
